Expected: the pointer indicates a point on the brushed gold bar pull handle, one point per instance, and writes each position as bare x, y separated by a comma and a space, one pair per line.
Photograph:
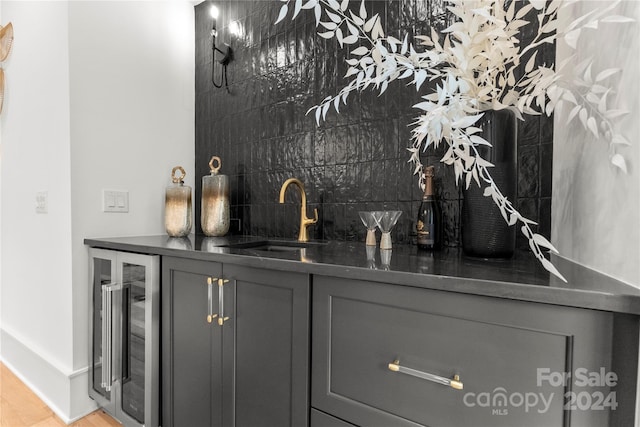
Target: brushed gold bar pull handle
221, 317
210, 315
454, 383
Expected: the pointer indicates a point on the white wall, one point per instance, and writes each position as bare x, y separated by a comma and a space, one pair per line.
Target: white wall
100, 96
596, 208
36, 248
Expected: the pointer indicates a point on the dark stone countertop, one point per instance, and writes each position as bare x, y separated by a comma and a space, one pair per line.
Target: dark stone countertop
520, 278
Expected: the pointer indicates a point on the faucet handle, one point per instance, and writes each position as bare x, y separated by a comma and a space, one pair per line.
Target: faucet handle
315, 215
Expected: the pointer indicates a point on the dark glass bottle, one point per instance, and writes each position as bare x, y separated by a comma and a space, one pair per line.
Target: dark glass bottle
429, 225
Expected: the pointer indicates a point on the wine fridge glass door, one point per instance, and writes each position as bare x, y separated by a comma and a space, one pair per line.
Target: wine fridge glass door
133, 342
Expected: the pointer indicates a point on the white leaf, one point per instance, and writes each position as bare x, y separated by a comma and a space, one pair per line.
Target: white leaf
375, 54
602, 105
283, 12
329, 25
351, 39
333, 4
420, 77
352, 29
542, 241
318, 113
477, 140
592, 25
297, 7
327, 35
363, 11
352, 71
617, 18
344, 5
583, 115
538, 4
606, 73
572, 38
620, 140
318, 13
310, 4
406, 74
593, 127
573, 113
360, 51
334, 17
568, 96
612, 114
466, 121
531, 62
339, 36
325, 108
377, 30
552, 269
523, 11
384, 86
618, 161
356, 19
488, 191
336, 104
513, 218
369, 25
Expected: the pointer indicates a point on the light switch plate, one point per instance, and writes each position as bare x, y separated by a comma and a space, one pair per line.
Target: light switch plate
115, 201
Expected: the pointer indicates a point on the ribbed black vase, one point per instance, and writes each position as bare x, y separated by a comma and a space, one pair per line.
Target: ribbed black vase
484, 231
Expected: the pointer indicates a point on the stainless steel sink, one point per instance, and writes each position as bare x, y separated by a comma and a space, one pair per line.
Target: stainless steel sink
276, 245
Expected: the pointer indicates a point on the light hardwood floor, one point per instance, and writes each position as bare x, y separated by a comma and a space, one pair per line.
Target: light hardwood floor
20, 407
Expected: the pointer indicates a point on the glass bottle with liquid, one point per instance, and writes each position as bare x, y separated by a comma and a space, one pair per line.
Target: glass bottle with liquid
429, 224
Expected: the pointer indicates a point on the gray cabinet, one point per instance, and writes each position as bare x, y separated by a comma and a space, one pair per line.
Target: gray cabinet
235, 345
393, 355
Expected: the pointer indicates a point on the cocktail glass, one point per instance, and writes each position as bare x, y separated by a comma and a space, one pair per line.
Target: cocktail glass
370, 222
386, 220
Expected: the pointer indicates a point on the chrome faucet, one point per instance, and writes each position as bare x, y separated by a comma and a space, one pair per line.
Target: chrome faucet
304, 221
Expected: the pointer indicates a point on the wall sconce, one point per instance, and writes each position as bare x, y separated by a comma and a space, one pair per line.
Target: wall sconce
226, 52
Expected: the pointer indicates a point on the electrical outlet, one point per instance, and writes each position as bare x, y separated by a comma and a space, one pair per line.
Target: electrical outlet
42, 202
115, 201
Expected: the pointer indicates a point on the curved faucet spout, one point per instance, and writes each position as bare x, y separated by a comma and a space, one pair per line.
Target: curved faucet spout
304, 221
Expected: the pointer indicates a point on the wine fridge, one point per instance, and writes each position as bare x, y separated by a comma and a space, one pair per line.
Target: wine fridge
124, 342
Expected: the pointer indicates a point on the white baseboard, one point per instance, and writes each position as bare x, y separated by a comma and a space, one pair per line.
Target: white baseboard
66, 393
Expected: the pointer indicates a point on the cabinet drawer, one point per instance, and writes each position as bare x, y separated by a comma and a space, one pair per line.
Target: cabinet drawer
495, 346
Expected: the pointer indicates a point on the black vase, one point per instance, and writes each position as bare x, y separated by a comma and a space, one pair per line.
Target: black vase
485, 233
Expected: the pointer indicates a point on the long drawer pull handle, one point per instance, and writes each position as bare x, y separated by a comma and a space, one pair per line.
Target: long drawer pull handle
453, 383
221, 317
210, 315
107, 334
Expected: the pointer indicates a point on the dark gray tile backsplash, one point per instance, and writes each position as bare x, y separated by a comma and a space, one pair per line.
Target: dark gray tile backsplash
356, 160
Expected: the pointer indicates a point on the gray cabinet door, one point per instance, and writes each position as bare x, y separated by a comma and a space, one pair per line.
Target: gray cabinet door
191, 350
269, 330
249, 370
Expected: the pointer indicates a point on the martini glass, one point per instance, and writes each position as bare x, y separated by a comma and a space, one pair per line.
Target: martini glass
370, 222
386, 221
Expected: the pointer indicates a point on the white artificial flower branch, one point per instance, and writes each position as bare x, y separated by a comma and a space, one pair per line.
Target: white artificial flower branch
474, 67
